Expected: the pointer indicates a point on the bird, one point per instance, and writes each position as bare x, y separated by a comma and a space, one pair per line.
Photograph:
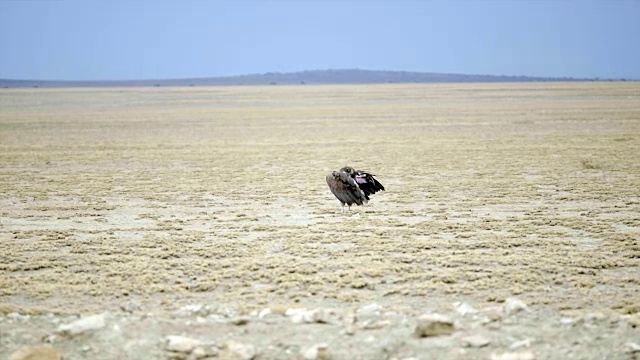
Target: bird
352, 186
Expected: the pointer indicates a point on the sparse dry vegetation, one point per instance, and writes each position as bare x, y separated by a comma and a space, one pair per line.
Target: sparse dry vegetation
171, 196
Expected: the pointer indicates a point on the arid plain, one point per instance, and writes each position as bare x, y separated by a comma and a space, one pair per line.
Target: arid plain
151, 200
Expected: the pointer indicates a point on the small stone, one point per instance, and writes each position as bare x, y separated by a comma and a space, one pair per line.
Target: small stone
349, 330
328, 316
493, 313
86, 324
220, 310
181, 344
567, 321
54, 320
199, 353
614, 319
368, 311
50, 339
369, 317
237, 351
476, 341
513, 306
526, 355
372, 325
300, 316
349, 319
296, 315
264, 312
594, 318
464, 308
307, 316
633, 347
371, 339
293, 311
204, 352
634, 320
194, 309
85, 348
18, 317
131, 307
40, 352
217, 318
526, 343
240, 320
317, 352
433, 325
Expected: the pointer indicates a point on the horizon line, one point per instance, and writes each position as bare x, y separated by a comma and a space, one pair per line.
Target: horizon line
328, 70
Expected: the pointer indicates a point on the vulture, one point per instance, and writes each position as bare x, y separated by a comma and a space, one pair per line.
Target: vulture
352, 186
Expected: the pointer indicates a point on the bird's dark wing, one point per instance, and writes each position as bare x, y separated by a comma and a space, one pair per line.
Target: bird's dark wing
345, 188
367, 183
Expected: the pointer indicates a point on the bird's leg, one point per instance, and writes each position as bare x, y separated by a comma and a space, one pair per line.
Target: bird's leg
349, 207
342, 210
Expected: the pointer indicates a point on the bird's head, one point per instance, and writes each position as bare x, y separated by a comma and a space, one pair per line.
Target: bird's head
349, 170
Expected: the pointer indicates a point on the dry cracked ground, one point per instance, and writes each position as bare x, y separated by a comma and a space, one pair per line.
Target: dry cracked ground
196, 222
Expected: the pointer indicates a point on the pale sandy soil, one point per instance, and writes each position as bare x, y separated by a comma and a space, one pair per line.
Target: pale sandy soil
168, 197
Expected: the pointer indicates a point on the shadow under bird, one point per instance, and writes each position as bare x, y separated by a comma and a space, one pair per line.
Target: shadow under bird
352, 186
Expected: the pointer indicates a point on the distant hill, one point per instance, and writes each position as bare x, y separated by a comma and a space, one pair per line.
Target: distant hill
344, 76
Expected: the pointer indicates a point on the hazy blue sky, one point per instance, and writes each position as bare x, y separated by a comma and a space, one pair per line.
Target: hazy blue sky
138, 39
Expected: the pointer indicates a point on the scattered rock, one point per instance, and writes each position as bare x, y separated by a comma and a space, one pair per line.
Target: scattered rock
369, 317
513, 306
634, 320
40, 352
317, 352
492, 313
131, 307
526, 355
199, 353
476, 341
86, 324
633, 347
526, 343
349, 321
18, 317
194, 309
240, 320
264, 312
221, 310
464, 308
349, 330
237, 351
368, 311
300, 316
329, 317
594, 318
567, 321
433, 325
371, 325
50, 339
181, 344
203, 352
